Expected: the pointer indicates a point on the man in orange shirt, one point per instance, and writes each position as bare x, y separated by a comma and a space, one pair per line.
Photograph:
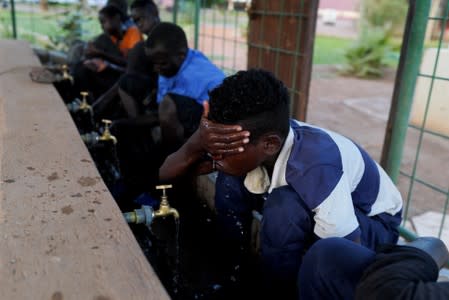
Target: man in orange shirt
106, 55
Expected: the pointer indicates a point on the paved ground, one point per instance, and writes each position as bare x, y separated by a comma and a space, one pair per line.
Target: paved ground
359, 109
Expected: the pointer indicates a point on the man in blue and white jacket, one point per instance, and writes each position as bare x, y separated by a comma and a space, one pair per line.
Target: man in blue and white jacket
308, 182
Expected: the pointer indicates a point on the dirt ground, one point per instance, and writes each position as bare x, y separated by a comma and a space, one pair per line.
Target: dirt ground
359, 109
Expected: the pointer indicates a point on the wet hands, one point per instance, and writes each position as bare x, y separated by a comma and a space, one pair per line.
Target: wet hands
219, 139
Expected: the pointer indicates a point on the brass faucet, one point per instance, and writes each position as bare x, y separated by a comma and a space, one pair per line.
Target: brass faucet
84, 106
164, 208
107, 136
65, 73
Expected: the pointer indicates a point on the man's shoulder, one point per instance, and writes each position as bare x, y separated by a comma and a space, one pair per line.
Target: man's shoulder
201, 63
312, 147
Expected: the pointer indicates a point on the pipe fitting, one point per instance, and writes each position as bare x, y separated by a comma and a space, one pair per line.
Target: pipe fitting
144, 215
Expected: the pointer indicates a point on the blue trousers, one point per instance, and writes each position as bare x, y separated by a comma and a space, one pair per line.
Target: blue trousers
331, 269
287, 226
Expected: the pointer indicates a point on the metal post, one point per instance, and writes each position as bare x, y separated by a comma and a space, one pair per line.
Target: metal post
197, 22
13, 18
175, 12
411, 53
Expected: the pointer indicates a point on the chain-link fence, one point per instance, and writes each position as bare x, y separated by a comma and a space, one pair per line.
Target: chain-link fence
274, 35
416, 152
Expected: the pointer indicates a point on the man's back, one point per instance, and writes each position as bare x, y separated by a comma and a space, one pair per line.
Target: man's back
196, 77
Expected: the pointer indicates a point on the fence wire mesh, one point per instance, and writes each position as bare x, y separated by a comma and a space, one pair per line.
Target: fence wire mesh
423, 160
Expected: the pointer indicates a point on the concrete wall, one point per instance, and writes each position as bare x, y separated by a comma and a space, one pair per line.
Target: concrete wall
438, 112
62, 236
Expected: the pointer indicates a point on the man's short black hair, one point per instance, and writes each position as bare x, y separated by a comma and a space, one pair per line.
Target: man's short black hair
120, 4
169, 35
149, 4
111, 11
256, 99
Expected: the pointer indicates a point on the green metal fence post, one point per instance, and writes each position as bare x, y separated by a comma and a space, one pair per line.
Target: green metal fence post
197, 22
411, 53
175, 11
13, 18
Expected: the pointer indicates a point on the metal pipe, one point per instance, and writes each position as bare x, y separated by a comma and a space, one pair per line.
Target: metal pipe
13, 19
175, 11
408, 235
408, 69
144, 215
197, 23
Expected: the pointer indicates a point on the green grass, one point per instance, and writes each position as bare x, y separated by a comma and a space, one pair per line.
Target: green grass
330, 50
327, 50
43, 24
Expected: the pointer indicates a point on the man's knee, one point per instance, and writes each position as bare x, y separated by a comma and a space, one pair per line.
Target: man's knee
322, 253
167, 111
230, 194
287, 223
286, 230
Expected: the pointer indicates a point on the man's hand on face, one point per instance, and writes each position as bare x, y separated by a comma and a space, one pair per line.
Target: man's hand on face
219, 139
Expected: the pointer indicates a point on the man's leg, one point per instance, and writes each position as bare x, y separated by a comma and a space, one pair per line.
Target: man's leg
286, 232
331, 269
133, 89
233, 205
179, 117
172, 132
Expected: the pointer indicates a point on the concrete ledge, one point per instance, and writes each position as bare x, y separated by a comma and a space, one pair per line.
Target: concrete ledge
62, 235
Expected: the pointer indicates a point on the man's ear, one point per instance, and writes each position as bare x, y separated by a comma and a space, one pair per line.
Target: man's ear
272, 143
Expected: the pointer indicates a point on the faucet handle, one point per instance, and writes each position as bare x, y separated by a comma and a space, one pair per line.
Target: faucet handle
106, 123
84, 105
65, 73
107, 136
163, 187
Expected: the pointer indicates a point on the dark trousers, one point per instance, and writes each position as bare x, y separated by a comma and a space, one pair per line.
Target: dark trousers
331, 269
336, 268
